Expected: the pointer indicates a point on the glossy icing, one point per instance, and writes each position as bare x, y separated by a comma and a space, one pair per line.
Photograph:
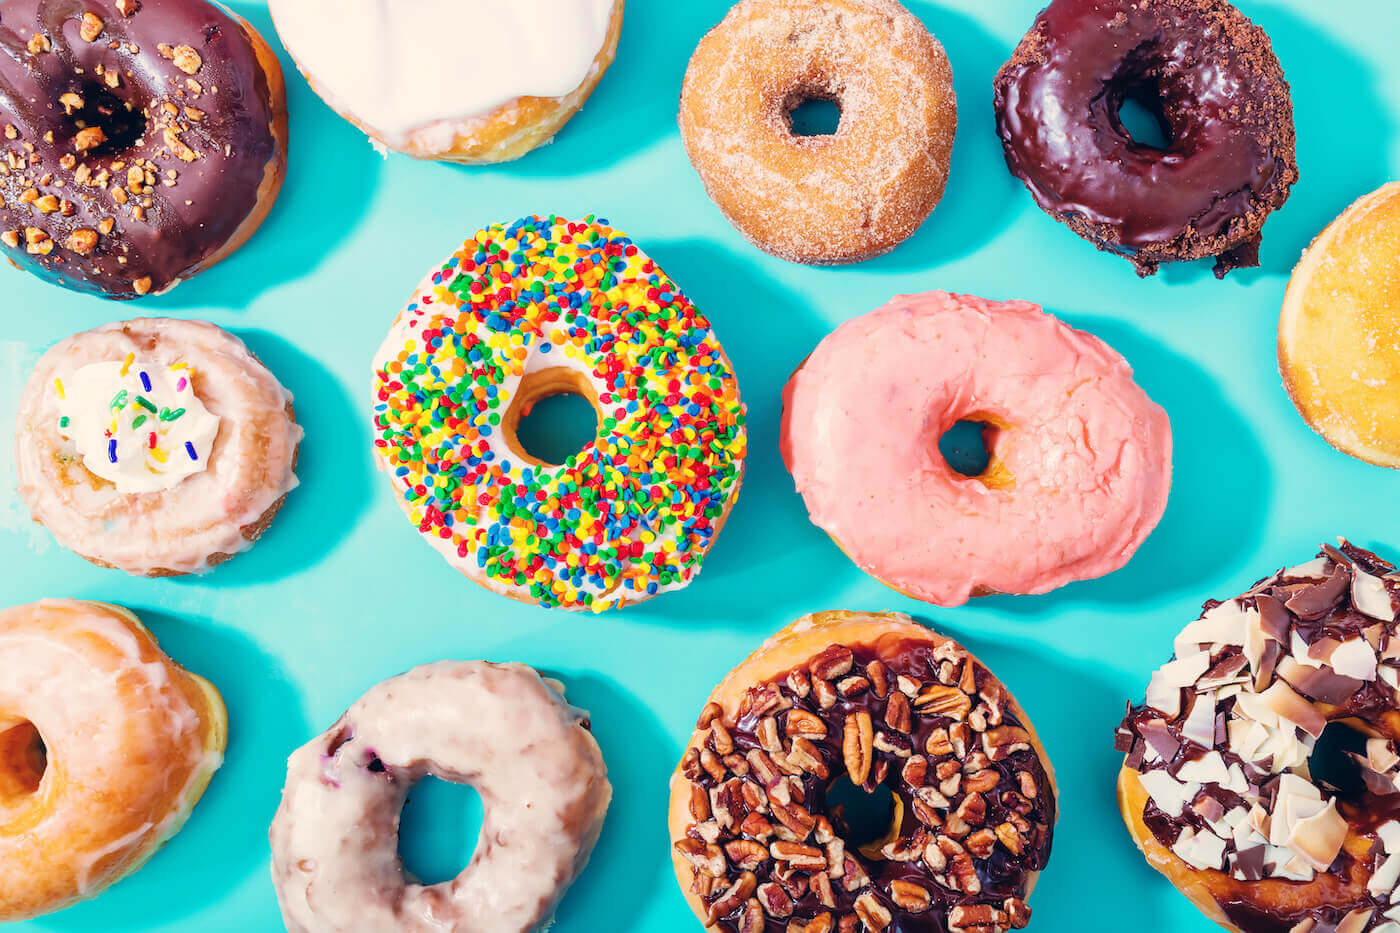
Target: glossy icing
1081, 462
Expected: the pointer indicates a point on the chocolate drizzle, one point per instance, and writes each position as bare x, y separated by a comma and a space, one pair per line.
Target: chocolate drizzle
1225, 107
943, 737
135, 139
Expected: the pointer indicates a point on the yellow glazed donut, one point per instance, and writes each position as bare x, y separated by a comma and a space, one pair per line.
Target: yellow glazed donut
479, 81
106, 744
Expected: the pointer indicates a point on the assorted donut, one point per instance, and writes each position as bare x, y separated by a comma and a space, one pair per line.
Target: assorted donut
142, 141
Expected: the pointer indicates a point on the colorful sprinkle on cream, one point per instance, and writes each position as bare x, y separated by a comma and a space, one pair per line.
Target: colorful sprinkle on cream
631, 514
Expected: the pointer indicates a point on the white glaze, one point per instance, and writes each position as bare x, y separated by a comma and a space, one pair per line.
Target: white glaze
500, 728
134, 446
398, 66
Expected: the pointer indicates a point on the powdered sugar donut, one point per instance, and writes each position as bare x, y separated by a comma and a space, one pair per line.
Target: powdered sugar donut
155, 446
498, 727
821, 199
1080, 456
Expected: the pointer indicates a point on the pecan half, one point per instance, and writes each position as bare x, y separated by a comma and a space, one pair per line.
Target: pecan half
745, 854
776, 901
897, 713
940, 700
857, 746
872, 913
910, 896
702, 856
804, 723
834, 661
876, 672
734, 896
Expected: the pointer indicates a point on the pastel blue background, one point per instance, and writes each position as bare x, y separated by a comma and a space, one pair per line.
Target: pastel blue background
341, 593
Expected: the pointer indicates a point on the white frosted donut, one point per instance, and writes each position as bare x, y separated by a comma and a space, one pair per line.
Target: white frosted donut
155, 446
500, 728
106, 744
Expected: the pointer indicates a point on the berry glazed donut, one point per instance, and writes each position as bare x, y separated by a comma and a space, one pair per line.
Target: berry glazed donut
498, 727
1217, 787
144, 140
155, 446
106, 745
479, 81
1336, 336
1080, 456
1225, 110
873, 698
837, 198
545, 307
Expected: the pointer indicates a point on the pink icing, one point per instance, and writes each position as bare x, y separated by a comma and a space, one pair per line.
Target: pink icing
1088, 453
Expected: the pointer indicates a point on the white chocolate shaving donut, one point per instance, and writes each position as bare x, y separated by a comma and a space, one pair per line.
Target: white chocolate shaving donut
500, 728
106, 744
155, 446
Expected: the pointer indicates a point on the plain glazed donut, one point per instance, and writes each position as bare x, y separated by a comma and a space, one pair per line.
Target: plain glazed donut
479, 81
1216, 787
143, 141
877, 699
1336, 336
1225, 110
155, 446
501, 729
544, 307
106, 745
821, 199
1080, 456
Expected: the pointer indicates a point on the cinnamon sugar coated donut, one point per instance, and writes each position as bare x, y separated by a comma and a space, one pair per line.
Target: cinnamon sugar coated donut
540, 307
1339, 333
458, 80
821, 199
155, 446
1224, 108
106, 745
1217, 786
500, 728
873, 699
1080, 456
143, 142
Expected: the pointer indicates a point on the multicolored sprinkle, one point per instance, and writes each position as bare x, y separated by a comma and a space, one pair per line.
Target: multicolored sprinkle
631, 514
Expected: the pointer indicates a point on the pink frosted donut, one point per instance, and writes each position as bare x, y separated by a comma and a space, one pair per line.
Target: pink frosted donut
1080, 456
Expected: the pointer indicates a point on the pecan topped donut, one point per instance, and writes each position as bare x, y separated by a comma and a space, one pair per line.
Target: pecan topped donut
880, 700
1220, 788
142, 142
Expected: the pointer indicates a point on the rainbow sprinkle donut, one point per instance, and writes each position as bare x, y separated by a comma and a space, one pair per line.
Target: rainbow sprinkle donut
545, 307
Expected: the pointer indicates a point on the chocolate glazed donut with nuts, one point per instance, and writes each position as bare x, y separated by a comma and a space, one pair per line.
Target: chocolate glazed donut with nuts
881, 700
142, 142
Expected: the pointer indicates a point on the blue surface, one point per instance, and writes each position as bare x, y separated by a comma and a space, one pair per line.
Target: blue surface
341, 594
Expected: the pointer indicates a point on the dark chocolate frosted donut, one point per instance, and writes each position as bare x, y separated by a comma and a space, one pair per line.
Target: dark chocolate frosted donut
142, 141
1225, 110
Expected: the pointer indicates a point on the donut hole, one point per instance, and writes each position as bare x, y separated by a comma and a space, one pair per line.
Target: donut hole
23, 760
864, 819
122, 125
966, 447
554, 416
1332, 765
438, 829
1142, 117
813, 114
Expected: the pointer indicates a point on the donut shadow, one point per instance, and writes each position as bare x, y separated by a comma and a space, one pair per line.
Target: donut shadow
1215, 515
980, 198
770, 332
332, 173
225, 840
333, 466
617, 122
1316, 64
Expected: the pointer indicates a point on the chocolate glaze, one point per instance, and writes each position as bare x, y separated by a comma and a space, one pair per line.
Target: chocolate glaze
201, 137
1226, 110
1330, 613
1002, 875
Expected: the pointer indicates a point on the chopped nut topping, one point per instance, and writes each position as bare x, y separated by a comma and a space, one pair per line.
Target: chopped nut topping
89, 138
71, 102
128, 7
48, 204
39, 44
10, 238
142, 285
91, 27
187, 60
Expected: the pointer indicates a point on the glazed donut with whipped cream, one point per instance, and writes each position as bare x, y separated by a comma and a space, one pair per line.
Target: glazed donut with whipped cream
877, 699
542, 307
106, 745
144, 140
155, 446
1336, 336
1080, 456
1217, 787
500, 728
843, 197
484, 81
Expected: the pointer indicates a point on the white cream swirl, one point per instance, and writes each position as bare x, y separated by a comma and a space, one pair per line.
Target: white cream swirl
136, 424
